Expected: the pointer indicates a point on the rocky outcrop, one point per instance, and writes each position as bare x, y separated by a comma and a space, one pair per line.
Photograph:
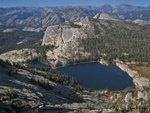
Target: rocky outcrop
139, 82
141, 22
125, 68
21, 55
104, 16
61, 34
66, 39
84, 21
52, 36
103, 62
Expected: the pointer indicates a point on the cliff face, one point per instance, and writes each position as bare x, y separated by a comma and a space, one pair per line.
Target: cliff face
60, 34
52, 35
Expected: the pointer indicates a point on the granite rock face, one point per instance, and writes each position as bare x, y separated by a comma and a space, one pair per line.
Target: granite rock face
52, 35
66, 40
70, 31
60, 34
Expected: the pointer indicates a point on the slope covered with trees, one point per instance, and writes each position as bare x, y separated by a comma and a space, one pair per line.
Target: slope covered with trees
19, 39
121, 40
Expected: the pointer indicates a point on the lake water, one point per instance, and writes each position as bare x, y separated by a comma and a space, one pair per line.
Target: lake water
95, 76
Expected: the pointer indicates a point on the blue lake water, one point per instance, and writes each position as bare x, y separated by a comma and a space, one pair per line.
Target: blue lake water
95, 76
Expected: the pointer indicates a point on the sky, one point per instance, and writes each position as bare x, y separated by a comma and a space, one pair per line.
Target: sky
41, 3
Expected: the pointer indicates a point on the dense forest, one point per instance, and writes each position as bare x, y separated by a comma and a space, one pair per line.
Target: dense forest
19, 39
121, 40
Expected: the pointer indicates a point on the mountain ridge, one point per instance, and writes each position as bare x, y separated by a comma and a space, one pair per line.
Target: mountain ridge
42, 17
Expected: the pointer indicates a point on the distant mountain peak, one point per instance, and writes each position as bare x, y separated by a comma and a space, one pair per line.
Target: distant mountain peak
106, 8
106, 5
125, 5
129, 7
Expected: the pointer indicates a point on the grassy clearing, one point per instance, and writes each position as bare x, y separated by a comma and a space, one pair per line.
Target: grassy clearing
144, 70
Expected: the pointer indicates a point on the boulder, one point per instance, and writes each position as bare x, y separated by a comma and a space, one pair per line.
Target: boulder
141, 82
128, 97
142, 95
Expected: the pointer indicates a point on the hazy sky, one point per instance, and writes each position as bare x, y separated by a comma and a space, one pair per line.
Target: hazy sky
13, 3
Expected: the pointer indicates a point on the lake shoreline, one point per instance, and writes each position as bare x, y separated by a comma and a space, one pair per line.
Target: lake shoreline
123, 66
102, 62
96, 76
